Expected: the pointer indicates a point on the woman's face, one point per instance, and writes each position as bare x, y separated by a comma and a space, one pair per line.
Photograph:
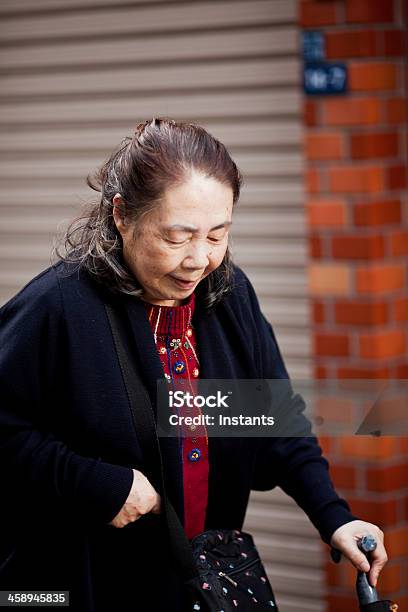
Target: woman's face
182, 239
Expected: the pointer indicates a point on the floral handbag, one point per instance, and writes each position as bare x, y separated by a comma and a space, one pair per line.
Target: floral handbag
231, 574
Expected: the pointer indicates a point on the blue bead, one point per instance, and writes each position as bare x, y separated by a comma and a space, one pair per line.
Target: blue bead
194, 454
179, 367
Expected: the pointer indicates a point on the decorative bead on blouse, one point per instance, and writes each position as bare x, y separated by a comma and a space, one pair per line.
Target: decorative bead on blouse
177, 349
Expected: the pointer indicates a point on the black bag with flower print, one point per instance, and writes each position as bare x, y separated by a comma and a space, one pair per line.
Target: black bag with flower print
221, 568
231, 574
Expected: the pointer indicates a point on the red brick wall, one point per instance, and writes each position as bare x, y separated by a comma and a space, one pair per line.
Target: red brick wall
356, 150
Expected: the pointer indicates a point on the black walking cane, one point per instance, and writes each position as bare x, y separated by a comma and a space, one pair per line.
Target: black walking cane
367, 595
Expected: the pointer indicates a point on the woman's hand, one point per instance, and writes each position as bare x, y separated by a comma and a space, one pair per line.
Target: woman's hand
345, 540
143, 498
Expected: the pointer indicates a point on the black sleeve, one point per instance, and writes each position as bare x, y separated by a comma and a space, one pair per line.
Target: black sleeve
294, 460
31, 338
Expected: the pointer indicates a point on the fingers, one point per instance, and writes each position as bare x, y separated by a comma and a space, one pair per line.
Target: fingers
120, 521
378, 559
356, 557
129, 514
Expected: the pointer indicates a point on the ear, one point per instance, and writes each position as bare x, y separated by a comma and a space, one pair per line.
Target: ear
118, 213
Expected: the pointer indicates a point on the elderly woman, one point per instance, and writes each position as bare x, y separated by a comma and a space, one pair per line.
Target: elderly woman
79, 511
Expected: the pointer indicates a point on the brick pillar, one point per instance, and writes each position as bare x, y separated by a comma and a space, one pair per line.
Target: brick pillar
356, 150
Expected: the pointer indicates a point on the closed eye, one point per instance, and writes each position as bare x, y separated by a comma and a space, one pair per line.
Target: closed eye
215, 240
219, 237
177, 242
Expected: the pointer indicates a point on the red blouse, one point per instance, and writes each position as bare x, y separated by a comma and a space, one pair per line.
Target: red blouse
177, 348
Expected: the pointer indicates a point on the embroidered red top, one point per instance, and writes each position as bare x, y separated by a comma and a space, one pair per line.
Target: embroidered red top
177, 348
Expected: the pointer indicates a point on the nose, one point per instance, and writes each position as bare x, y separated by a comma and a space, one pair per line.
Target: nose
198, 254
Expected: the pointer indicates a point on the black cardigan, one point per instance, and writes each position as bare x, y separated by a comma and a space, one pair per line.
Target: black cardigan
68, 442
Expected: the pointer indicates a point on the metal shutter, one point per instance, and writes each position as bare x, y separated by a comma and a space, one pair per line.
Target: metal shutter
76, 75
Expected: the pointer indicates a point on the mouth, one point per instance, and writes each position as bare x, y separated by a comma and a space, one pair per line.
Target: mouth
185, 284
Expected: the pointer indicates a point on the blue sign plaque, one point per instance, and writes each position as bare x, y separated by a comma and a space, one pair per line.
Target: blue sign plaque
325, 79
314, 48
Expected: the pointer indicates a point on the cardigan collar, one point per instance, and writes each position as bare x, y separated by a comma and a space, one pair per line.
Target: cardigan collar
174, 320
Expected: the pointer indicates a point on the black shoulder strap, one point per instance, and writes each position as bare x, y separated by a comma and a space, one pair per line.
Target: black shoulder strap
143, 418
